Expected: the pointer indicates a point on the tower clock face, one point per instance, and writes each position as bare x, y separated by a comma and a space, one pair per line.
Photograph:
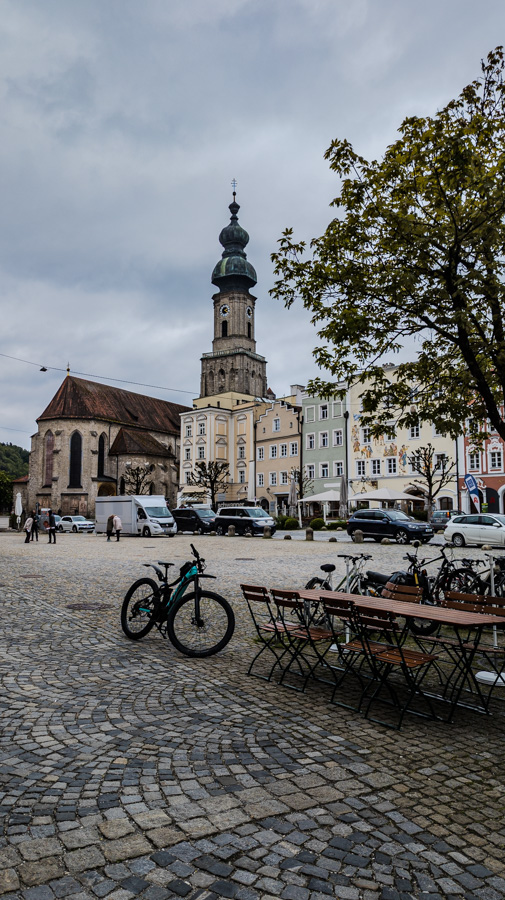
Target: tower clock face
248, 312
224, 310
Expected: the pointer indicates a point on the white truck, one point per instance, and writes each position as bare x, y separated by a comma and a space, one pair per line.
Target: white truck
143, 514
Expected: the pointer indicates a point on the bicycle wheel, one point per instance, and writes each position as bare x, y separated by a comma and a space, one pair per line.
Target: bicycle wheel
140, 606
317, 583
205, 635
462, 580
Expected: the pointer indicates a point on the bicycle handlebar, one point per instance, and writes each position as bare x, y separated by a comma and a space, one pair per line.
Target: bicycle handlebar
199, 561
354, 558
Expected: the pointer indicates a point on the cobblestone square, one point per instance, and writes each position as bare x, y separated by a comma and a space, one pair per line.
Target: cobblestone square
128, 770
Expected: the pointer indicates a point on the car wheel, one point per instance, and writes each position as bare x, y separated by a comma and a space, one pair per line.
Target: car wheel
352, 536
60, 529
74, 529
458, 540
146, 532
199, 530
219, 530
402, 536
248, 530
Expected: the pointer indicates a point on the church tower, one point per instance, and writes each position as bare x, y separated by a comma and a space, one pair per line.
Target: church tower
233, 364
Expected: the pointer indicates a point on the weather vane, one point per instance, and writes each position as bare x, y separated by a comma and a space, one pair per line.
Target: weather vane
234, 185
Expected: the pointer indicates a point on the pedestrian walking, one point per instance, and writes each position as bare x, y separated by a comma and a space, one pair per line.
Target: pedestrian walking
35, 527
52, 527
110, 526
28, 527
118, 526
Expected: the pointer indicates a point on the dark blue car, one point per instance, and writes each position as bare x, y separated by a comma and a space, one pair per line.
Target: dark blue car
390, 523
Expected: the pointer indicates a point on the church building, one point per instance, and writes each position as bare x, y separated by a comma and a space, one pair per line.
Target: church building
91, 436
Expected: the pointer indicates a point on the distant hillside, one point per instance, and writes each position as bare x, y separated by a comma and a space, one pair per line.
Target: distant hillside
13, 460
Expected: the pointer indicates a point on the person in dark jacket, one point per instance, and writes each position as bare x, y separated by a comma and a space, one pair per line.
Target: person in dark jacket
52, 527
35, 527
110, 526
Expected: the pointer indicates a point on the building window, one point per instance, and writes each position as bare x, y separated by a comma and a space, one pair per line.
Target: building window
324, 470
283, 450
189, 431
241, 476
188, 477
276, 424
311, 441
201, 428
338, 468
310, 414
376, 466
273, 478
187, 453
311, 471
360, 467
367, 436
414, 431
101, 456
323, 439
392, 465
474, 462
48, 460
273, 451
261, 479
337, 409
261, 453
74, 479
441, 461
122, 486
495, 459
293, 448
437, 433
323, 411
241, 452
201, 453
284, 478
338, 437
224, 329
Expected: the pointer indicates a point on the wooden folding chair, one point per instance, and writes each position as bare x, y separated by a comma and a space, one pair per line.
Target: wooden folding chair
411, 665
306, 639
269, 628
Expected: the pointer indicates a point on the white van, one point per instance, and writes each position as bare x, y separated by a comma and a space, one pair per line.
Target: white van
142, 514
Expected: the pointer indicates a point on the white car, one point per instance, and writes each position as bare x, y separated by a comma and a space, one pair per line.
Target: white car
474, 529
75, 524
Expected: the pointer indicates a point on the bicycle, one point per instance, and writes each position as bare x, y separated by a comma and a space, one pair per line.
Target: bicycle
353, 582
198, 624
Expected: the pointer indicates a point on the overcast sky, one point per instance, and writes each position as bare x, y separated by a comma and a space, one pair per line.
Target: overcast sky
123, 123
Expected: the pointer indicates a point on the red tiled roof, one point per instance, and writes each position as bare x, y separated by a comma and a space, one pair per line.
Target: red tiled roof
22, 480
80, 399
136, 443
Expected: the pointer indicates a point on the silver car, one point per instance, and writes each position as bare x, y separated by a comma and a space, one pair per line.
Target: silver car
75, 524
476, 529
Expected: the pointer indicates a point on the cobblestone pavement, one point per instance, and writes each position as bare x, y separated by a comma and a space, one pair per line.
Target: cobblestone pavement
128, 770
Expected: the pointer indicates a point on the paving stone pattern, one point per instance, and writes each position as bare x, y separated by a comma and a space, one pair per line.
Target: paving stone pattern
127, 770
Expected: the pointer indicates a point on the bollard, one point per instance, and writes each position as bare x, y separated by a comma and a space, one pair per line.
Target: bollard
287, 537
267, 532
332, 540
212, 533
385, 541
231, 530
358, 536
309, 534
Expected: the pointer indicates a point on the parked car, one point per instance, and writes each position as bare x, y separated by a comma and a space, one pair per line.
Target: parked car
75, 524
474, 529
441, 518
246, 519
191, 519
390, 523
44, 519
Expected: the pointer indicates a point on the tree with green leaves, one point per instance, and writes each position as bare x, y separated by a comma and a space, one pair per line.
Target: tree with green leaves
434, 471
5, 492
213, 476
137, 480
415, 252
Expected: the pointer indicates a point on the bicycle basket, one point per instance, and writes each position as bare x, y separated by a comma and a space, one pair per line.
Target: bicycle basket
186, 568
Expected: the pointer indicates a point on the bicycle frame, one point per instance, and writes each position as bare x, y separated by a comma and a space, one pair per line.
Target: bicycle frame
172, 592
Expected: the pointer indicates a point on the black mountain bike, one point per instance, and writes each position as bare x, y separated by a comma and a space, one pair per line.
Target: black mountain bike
197, 622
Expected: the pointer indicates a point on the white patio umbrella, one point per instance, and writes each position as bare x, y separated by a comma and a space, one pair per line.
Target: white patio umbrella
385, 494
292, 497
18, 507
342, 510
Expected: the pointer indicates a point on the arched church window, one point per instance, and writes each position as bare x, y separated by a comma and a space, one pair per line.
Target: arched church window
75, 460
121, 485
48, 458
249, 330
211, 381
224, 329
101, 456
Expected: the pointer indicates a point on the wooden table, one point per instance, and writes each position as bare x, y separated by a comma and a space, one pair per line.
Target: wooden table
453, 618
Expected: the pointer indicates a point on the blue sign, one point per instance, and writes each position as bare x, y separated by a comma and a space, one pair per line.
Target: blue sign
473, 489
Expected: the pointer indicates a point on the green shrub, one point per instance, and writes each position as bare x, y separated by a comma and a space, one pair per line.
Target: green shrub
337, 523
280, 521
421, 515
317, 524
291, 524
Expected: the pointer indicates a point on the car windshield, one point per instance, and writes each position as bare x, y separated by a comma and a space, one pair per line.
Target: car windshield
206, 513
257, 513
499, 518
397, 514
78, 519
158, 512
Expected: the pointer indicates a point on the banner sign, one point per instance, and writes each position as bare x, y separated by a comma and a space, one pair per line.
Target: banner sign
473, 490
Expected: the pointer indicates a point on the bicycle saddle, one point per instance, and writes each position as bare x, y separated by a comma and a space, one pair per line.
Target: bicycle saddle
328, 567
160, 563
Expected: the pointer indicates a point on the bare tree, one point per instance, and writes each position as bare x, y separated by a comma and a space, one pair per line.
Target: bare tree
213, 476
435, 471
305, 484
137, 480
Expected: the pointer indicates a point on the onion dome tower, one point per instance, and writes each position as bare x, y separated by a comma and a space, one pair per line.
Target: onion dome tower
233, 364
